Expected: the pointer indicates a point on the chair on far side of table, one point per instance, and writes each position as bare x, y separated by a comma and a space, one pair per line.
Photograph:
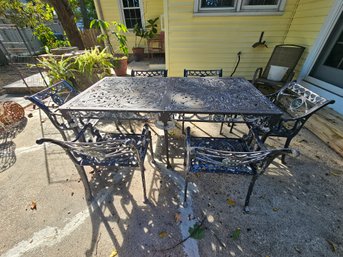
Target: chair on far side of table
245, 156
280, 67
149, 73
203, 73
198, 73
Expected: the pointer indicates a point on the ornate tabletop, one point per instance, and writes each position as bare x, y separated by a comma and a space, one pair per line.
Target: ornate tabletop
172, 95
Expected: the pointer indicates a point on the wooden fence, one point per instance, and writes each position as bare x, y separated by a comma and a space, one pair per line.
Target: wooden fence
89, 37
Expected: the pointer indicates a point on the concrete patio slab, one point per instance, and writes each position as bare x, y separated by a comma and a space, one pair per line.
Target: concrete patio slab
296, 209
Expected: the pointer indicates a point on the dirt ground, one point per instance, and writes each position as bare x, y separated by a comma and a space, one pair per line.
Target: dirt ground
295, 210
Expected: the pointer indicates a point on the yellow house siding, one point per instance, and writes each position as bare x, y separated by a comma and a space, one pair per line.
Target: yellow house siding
306, 24
213, 42
111, 11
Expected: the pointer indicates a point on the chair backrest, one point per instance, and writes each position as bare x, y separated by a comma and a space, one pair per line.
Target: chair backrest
103, 153
299, 101
149, 73
156, 44
285, 55
217, 160
203, 73
58, 93
107, 152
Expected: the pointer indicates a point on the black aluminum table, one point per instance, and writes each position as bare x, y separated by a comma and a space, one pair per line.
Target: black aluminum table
120, 97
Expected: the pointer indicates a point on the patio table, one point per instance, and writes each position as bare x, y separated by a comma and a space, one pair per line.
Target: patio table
162, 97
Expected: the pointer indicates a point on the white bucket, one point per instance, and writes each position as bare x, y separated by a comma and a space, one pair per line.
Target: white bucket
276, 73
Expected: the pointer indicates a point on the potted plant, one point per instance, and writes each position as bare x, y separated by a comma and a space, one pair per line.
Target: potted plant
92, 66
138, 51
120, 54
148, 32
120, 61
82, 70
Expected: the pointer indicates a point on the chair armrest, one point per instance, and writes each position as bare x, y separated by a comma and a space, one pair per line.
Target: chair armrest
257, 74
307, 115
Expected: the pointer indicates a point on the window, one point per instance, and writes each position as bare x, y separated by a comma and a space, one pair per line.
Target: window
329, 64
131, 13
237, 6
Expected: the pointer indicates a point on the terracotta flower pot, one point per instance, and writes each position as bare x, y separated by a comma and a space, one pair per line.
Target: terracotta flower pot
121, 67
138, 53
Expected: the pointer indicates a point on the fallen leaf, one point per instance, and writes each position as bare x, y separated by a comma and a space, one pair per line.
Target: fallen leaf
197, 232
114, 253
33, 205
297, 249
163, 234
334, 173
230, 201
276, 209
178, 217
236, 234
332, 245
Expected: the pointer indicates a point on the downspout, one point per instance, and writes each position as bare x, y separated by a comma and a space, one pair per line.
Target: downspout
100, 15
99, 9
291, 22
166, 33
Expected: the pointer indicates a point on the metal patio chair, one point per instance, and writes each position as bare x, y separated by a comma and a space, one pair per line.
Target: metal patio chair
198, 73
298, 104
245, 156
118, 150
203, 73
284, 59
149, 73
49, 99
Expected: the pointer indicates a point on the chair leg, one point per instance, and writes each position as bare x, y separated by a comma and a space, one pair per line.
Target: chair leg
185, 157
143, 182
185, 191
288, 141
251, 187
82, 173
232, 123
151, 149
117, 126
131, 128
221, 128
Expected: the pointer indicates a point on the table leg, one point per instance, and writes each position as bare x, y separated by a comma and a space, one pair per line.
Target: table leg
166, 145
165, 118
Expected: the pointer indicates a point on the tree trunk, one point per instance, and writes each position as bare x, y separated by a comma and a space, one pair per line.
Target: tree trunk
66, 17
84, 14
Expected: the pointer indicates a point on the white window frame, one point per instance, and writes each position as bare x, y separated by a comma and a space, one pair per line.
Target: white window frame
121, 8
304, 76
240, 8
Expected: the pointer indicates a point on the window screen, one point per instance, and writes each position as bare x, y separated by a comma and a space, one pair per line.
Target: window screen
132, 13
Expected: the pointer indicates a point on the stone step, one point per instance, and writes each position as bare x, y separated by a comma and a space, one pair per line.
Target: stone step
35, 83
